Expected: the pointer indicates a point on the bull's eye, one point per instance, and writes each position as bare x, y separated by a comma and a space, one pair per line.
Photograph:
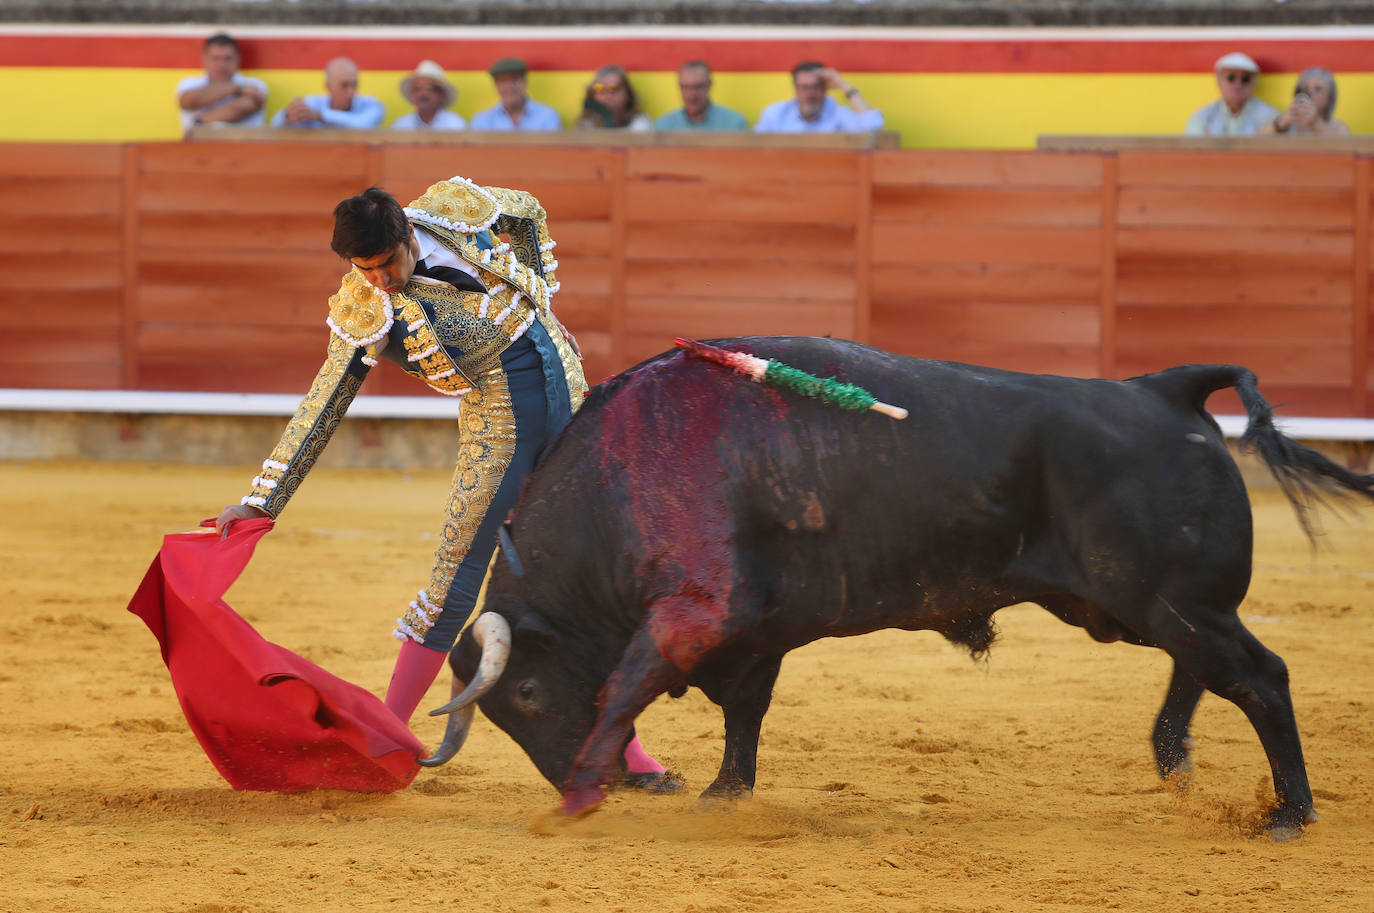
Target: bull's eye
527, 696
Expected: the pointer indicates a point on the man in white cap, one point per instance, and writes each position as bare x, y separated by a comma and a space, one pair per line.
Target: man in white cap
1237, 112
429, 90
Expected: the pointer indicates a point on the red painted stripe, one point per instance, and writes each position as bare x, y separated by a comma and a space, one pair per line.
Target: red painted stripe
856, 55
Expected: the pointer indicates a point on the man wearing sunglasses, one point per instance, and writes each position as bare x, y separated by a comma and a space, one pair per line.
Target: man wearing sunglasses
1237, 112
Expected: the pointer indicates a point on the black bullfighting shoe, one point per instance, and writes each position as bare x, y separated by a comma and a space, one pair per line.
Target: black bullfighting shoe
662, 784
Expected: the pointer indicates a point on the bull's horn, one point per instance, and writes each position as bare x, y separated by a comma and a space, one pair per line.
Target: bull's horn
492, 634
454, 735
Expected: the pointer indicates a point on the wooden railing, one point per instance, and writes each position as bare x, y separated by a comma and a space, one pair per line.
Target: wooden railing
205, 266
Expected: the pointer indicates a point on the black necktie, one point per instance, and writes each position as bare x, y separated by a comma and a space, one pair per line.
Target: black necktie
454, 277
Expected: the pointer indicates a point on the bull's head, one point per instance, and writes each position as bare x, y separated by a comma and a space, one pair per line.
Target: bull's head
529, 684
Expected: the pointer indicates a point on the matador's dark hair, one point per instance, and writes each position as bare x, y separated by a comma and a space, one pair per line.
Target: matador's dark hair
369, 224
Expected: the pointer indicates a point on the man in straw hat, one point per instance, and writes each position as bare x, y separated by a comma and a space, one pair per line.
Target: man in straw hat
428, 89
1237, 112
516, 110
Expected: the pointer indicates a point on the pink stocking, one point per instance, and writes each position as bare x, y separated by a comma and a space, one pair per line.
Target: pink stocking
637, 760
416, 667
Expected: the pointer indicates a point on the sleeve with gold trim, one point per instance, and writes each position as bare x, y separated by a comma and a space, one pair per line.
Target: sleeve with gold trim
310, 429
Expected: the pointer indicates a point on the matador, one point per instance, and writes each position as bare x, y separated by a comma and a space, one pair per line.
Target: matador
435, 290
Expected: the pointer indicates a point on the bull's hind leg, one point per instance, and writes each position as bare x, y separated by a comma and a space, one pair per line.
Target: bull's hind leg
1230, 662
744, 700
1170, 738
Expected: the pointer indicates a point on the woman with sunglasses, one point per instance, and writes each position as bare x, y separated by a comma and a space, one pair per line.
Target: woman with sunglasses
1237, 112
611, 102
1314, 101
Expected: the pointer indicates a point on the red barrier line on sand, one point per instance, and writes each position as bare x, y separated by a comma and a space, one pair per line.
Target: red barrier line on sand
854, 55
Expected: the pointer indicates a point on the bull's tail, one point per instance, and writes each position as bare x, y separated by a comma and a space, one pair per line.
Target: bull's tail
1306, 477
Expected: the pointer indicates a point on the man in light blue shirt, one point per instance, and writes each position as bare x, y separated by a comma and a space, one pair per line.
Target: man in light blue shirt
814, 111
340, 106
1237, 112
516, 110
698, 112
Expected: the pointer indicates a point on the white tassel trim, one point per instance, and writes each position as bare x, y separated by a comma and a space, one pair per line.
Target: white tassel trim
418, 356
463, 392
415, 324
253, 501
442, 374
265, 483
273, 464
545, 248
369, 361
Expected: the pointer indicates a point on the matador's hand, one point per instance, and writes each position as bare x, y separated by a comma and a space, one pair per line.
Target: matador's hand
236, 512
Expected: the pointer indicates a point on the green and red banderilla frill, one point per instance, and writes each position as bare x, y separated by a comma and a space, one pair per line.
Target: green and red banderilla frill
846, 396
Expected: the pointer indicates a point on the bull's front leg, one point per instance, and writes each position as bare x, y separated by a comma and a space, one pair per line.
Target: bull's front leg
641, 676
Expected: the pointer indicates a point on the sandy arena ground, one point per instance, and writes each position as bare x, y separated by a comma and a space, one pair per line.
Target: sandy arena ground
895, 773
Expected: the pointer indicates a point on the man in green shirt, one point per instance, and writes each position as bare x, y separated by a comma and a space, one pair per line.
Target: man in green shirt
698, 112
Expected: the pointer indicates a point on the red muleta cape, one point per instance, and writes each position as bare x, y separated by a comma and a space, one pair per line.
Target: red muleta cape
267, 719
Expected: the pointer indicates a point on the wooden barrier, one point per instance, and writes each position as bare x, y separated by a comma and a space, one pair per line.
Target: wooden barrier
204, 266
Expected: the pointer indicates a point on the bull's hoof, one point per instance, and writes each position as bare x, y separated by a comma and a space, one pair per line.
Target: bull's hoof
580, 802
662, 784
1284, 826
722, 797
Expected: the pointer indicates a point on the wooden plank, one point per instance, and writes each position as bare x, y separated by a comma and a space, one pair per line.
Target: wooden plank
501, 166
593, 276
62, 310
59, 374
1106, 266
276, 159
248, 271
1359, 317
666, 317
1291, 400
1237, 245
228, 342
1257, 170
1169, 283
1161, 325
833, 204
61, 160
100, 272
579, 238
1071, 361
991, 282
762, 243
300, 232
969, 324
128, 243
618, 290
255, 375
583, 313
59, 235
1275, 361
217, 304
72, 196
993, 206
70, 347
1229, 207
861, 324
206, 195
800, 167
986, 168
809, 281
899, 242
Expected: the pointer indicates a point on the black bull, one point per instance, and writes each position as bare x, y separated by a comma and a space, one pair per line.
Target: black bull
691, 527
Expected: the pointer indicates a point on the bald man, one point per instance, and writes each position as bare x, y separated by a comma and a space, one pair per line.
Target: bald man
339, 106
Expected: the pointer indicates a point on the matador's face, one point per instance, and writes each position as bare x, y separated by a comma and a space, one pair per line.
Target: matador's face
390, 270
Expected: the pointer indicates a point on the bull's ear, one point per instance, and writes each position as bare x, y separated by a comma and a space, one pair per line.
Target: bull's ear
532, 629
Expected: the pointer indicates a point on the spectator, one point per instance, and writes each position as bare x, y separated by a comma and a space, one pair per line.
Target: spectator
1314, 101
429, 90
698, 112
814, 111
221, 95
611, 102
516, 110
339, 106
1237, 112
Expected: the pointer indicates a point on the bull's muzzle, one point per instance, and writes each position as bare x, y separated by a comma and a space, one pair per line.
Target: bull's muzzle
492, 634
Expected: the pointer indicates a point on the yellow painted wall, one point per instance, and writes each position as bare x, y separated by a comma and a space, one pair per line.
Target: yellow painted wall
929, 110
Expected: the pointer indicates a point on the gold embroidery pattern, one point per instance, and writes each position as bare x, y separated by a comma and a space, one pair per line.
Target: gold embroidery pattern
309, 430
458, 201
359, 313
486, 445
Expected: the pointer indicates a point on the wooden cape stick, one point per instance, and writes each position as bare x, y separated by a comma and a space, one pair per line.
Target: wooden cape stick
846, 396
